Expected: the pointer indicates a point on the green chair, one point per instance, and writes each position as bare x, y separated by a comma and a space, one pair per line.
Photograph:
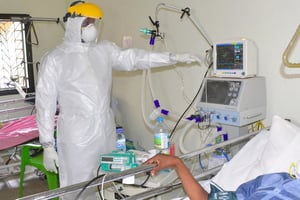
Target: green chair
37, 162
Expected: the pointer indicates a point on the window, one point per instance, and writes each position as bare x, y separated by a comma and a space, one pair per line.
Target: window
16, 66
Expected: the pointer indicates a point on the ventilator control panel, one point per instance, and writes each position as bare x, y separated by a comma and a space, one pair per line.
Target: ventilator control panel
233, 101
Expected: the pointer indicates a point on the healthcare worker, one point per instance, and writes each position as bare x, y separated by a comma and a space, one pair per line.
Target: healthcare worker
77, 77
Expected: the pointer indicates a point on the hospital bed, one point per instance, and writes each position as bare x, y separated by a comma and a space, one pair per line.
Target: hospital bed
137, 171
12, 135
268, 151
17, 128
17, 132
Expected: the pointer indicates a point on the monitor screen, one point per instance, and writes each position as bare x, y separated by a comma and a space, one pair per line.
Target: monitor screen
107, 159
222, 92
230, 56
234, 58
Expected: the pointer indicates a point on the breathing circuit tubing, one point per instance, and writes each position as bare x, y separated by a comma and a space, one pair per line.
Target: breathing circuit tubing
147, 73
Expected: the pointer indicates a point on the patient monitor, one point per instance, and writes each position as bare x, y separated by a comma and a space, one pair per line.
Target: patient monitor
234, 101
235, 58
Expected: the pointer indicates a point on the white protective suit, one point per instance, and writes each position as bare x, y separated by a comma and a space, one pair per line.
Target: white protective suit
78, 77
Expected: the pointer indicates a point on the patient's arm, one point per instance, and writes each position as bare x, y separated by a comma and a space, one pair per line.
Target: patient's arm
192, 188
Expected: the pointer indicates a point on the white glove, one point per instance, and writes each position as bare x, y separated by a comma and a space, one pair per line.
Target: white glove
186, 58
50, 159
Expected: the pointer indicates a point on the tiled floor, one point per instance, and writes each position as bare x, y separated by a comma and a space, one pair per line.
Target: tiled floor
9, 185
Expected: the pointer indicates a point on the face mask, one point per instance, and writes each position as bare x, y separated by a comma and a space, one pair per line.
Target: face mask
89, 33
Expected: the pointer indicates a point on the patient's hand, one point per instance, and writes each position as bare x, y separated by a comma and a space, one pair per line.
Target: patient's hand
190, 185
163, 161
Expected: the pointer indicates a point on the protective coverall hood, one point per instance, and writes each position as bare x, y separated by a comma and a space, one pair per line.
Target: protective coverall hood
73, 30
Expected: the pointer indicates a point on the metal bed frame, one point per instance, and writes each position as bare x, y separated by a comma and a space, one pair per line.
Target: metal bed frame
135, 171
6, 155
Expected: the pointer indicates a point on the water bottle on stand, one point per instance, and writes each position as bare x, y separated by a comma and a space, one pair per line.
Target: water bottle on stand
121, 140
162, 136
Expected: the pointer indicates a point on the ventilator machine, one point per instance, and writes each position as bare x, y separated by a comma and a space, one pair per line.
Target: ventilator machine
232, 101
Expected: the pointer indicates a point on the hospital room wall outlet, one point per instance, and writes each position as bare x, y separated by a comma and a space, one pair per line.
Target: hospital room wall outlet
127, 42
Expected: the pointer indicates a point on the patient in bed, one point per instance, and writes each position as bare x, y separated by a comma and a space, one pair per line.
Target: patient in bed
258, 171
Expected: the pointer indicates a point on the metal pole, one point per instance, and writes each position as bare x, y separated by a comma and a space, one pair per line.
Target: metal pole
199, 28
113, 177
16, 109
17, 164
34, 19
77, 187
167, 188
211, 148
45, 19
16, 100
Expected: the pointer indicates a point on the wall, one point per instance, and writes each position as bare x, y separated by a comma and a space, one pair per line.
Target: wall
271, 24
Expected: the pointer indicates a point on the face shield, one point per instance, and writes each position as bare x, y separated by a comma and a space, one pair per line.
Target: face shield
90, 29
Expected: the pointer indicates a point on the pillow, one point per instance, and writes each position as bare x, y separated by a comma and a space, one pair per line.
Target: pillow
268, 152
282, 145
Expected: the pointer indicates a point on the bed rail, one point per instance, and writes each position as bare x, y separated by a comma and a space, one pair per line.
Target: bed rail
13, 109
127, 173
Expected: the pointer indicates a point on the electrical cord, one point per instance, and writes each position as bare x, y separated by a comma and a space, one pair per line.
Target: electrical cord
89, 183
102, 187
189, 106
101, 191
145, 181
122, 196
98, 188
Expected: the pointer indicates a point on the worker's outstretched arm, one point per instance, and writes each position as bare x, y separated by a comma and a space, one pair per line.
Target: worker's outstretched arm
192, 188
139, 59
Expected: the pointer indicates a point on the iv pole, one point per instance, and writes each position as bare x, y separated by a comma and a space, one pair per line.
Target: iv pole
156, 33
